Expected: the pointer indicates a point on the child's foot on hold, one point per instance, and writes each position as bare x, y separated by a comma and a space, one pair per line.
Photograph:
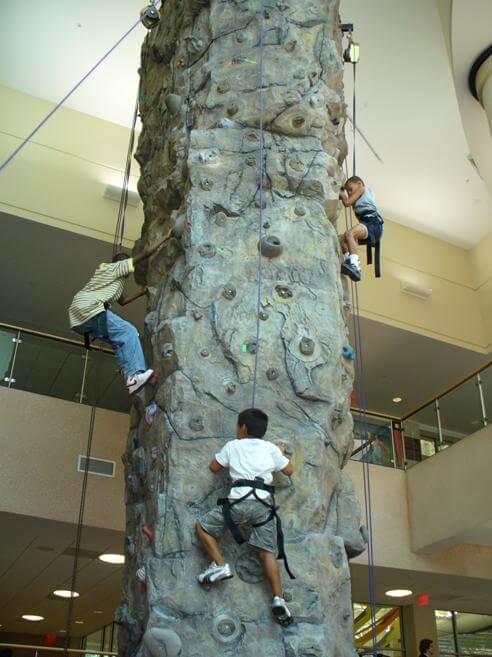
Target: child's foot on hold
215, 573
351, 268
137, 381
281, 612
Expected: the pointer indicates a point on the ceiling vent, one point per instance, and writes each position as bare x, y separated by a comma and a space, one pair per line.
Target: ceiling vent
100, 467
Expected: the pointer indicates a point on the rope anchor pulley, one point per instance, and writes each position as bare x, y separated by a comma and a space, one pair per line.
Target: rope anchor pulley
351, 54
150, 17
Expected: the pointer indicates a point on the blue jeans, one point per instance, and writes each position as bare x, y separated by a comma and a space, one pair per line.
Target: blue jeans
123, 337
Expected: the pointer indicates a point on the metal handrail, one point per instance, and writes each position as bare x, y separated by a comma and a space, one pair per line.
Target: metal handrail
78, 651
50, 336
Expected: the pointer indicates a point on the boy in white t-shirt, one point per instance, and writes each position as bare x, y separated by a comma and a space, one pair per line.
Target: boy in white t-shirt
248, 458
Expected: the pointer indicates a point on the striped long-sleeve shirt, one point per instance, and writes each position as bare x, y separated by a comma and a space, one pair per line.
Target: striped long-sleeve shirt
106, 286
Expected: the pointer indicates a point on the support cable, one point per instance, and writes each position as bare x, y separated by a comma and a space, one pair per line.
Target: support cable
61, 102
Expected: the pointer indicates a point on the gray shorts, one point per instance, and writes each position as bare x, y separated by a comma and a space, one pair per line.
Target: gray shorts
245, 514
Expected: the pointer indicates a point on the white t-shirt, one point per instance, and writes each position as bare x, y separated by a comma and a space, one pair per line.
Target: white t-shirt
248, 458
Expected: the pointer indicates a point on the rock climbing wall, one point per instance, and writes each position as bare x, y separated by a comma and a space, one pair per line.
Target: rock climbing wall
199, 153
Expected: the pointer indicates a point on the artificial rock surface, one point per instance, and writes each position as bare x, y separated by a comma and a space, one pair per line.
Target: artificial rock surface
199, 154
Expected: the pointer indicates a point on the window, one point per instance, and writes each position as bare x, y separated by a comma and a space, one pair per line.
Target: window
388, 629
464, 634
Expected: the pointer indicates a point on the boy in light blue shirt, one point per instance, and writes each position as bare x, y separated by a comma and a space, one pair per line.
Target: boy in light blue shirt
368, 231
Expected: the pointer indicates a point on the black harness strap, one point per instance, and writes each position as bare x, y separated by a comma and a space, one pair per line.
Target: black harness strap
371, 244
227, 505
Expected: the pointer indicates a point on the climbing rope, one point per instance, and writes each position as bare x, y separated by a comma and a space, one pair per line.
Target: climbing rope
120, 223
61, 102
360, 391
78, 538
260, 194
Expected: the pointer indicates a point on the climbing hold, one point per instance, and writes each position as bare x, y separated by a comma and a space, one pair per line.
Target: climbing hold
141, 575
233, 109
290, 46
206, 184
348, 352
249, 347
226, 628
148, 532
221, 218
207, 250
173, 103
251, 160
162, 643
229, 291
231, 387
196, 424
283, 291
263, 315
270, 246
223, 87
337, 417
298, 121
266, 225
149, 17
167, 350
306, 346
292, 97
205, 353
335, 120
299, 210
197, 315
150, 412
364, 533
272, 373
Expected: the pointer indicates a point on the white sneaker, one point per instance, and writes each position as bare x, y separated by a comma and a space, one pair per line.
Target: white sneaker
137, 381
281, 612
141, 574
215, 573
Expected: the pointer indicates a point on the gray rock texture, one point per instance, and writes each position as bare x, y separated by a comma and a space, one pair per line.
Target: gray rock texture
199, 154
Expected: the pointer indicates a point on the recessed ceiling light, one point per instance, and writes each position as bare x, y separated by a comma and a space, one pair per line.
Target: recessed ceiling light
32, 617
398, 399
98, 611
443, 614
79, 622
62, 631
64, 593
399, 593
112, 558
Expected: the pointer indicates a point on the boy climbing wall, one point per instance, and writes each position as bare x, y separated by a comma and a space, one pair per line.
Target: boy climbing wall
368, 231
89, 315
250, 503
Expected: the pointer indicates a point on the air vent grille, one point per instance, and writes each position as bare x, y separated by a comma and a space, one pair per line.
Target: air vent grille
100, 467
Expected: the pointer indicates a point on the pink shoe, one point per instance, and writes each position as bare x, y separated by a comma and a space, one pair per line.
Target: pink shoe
137, 381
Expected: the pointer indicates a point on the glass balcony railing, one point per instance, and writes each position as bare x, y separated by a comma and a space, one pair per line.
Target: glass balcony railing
457, 413
61, 368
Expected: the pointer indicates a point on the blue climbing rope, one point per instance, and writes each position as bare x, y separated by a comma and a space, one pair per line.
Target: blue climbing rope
61, 102
260, 195
360, 392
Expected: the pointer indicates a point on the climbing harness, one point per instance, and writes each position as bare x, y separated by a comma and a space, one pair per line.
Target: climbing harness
269, 503
372, 241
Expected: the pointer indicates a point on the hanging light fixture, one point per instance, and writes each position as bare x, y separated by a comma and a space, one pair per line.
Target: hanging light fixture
150, 17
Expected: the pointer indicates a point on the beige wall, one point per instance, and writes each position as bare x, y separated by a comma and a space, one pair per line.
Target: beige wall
452, 313
418, 623
40, 440
393, 525
481, 267
449, 495
59, 178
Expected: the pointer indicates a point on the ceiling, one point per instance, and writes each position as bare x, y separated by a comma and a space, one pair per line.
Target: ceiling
34, 562
36, 558
407, 106
396, 362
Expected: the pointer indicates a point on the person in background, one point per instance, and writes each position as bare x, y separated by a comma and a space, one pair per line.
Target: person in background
90, 316
426, 648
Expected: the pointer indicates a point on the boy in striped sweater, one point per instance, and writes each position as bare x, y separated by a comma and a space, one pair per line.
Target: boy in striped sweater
89, 315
